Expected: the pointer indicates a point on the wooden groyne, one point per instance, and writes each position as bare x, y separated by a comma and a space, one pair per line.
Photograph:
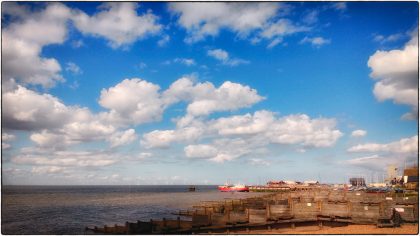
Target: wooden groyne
285, 208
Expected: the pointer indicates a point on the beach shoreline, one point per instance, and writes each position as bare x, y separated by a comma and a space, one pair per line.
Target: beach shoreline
410, 229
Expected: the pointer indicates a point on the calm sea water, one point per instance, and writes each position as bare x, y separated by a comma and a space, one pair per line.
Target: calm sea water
69, 209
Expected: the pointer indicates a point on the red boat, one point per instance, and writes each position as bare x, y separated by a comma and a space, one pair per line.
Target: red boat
233, 188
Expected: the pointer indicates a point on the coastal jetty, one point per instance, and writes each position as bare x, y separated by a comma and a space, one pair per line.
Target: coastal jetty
318, 206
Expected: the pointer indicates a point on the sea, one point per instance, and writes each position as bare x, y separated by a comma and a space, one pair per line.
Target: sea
69, 209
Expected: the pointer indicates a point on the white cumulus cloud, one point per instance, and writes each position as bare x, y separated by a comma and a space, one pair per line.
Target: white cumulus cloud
207, 19
5, 139
56, 126
119, 23
164, 138
315, 41
65, 159
47, 139
229, 96
24, 109
255, 21
235, 136
381, 162
73, 68
21, 47
185, 61
404, 145
122, 138
246, 124
281, 28
132, 101
47, 169
292, 129
200, 151
220, 150
388, 39
358, 133
396, 75
205, 98
224, 57
340, 6
164, 41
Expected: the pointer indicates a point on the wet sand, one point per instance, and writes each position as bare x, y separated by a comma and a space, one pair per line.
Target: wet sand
350, 229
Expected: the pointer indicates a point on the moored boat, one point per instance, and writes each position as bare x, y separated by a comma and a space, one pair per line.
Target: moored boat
233, 188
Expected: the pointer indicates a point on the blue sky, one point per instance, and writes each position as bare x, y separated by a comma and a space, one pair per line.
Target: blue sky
202, 93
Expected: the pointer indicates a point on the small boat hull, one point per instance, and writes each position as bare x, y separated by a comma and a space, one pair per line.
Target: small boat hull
233, 189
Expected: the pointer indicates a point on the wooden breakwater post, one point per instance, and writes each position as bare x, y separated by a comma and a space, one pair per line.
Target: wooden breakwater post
268, 210
365, 213
306, 210
237, 217
333, 210
257, 216
201, 220
279, 211
220, 219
